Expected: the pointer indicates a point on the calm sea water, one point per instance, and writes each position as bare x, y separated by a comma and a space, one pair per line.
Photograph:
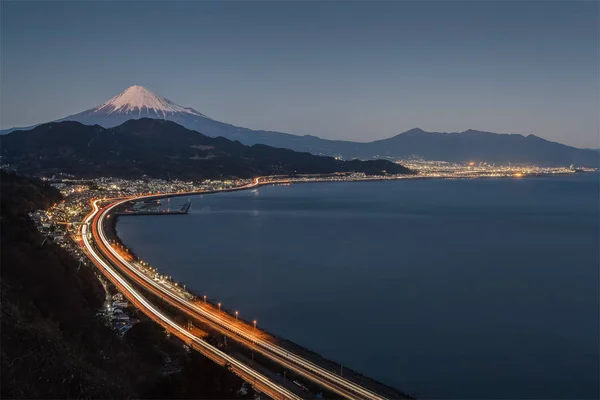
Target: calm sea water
453, 289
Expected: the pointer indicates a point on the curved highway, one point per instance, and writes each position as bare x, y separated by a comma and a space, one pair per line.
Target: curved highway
267, 385
237, 330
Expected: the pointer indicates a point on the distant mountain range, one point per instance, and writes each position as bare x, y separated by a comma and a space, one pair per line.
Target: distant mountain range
160, 149
138, 102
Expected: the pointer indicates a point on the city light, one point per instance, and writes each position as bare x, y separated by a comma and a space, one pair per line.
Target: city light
63, 221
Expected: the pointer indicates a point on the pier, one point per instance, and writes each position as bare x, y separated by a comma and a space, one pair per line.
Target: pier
153, 208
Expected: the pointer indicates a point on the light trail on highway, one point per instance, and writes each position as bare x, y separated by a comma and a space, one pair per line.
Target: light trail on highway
157, 314
318, 374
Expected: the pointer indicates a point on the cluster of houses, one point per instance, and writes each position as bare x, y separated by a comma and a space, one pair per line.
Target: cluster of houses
114, 314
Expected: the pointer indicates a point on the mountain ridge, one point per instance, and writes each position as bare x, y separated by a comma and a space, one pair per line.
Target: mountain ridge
139, 102
162, 149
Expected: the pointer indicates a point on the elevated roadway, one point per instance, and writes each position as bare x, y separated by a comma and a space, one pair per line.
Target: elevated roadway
96, 242
260, 381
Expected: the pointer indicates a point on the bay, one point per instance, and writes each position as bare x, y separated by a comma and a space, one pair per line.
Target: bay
441, 288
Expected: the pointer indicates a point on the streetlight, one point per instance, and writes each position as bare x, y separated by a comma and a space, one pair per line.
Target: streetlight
254, 325
219, 307
204, 299
236, 316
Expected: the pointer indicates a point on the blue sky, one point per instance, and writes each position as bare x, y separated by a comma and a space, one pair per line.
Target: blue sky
345, 70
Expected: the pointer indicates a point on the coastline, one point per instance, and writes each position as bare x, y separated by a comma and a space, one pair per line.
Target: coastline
283, 340
377, 178
358, 377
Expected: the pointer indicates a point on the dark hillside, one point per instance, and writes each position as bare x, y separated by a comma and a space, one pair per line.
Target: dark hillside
160, 149
53, 345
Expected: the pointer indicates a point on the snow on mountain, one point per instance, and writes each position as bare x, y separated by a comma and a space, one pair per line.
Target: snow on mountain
138, 102
143, 102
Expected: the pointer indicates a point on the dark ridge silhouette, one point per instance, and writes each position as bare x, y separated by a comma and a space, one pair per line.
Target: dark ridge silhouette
137, 102
53, 345
161, 149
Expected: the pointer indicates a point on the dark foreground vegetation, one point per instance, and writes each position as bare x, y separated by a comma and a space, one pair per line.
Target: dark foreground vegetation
161, 149
52, 343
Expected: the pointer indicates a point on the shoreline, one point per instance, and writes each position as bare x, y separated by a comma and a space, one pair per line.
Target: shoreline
378, 178
282, 340
383, 388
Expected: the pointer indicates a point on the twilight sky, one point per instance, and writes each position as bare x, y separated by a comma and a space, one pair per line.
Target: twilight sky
343, 70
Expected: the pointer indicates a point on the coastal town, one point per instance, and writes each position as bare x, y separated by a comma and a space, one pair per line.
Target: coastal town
63, 218
60, 223
473, 169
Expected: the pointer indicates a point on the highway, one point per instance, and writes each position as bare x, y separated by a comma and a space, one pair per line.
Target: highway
247, 373
239, 331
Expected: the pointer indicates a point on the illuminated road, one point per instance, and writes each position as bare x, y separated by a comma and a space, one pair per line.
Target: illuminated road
241, 332
247, 373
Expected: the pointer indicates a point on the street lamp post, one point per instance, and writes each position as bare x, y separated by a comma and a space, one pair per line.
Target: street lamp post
219, 307
236, 316
254, 325
204, 299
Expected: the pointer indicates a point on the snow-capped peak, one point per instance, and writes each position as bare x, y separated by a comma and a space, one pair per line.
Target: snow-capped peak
138, 99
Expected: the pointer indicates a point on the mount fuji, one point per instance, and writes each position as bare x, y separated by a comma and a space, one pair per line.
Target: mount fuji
137, 102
